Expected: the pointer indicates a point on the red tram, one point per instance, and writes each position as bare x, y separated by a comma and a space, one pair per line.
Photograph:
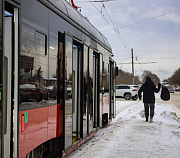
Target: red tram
57, 79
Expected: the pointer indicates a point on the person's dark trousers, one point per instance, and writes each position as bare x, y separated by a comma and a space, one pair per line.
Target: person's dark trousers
146, 107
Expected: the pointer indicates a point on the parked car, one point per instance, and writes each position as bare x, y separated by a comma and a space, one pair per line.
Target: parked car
52, 91
177, 89
127, 91
171, 90
33, 90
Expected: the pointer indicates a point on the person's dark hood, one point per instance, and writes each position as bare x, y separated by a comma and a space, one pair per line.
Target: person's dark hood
148, 81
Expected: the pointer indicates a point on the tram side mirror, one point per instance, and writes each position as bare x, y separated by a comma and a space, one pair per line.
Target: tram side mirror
102, 90
116, 71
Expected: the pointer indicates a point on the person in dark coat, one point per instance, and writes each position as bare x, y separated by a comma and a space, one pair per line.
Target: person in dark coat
148, 89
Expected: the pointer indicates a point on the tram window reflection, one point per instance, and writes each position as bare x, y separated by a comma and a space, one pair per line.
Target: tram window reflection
90, 114
68, 102
85, 92
33, 90
53, 67
33, 70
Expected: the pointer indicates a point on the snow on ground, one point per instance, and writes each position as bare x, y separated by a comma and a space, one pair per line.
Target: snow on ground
129, 136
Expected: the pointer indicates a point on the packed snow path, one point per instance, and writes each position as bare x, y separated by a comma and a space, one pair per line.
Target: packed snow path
129, 136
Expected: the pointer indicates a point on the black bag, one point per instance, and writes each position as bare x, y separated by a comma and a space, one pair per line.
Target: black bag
165, 95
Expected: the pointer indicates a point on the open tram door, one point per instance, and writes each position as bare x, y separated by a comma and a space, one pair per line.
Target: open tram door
97, 86
1, 71
9, 81
75, 125
77, 89
112, 103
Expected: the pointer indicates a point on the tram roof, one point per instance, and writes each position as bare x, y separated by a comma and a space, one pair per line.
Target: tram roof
65, 7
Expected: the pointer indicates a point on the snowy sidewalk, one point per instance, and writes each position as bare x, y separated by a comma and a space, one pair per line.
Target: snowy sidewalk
129, 136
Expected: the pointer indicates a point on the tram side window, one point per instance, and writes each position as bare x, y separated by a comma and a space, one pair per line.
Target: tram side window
41, 43
53, 67
33, 69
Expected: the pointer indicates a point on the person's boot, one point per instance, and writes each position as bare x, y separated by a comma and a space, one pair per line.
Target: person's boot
151, 120
146, 119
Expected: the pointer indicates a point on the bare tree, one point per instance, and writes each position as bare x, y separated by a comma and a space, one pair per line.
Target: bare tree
126, 78
176, 77
154, 77
38, 73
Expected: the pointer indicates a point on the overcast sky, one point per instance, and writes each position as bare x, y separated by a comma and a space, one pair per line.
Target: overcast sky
151, 28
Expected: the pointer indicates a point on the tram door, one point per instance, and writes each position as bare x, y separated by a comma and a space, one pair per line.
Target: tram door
114, 84
1, 72
77, 81
111, 89
97, 80
10, 76
101, 89
75, 92
90, 91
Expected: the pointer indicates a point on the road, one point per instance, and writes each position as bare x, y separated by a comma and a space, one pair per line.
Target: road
129, 136
174, 100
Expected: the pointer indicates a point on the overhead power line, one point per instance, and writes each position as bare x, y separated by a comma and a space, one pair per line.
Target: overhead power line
116, 31
139, 63
150, 18
111, 25
94, 1
147, 19
159, 51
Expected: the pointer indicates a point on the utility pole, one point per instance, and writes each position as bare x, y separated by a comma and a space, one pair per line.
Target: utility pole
132, 66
